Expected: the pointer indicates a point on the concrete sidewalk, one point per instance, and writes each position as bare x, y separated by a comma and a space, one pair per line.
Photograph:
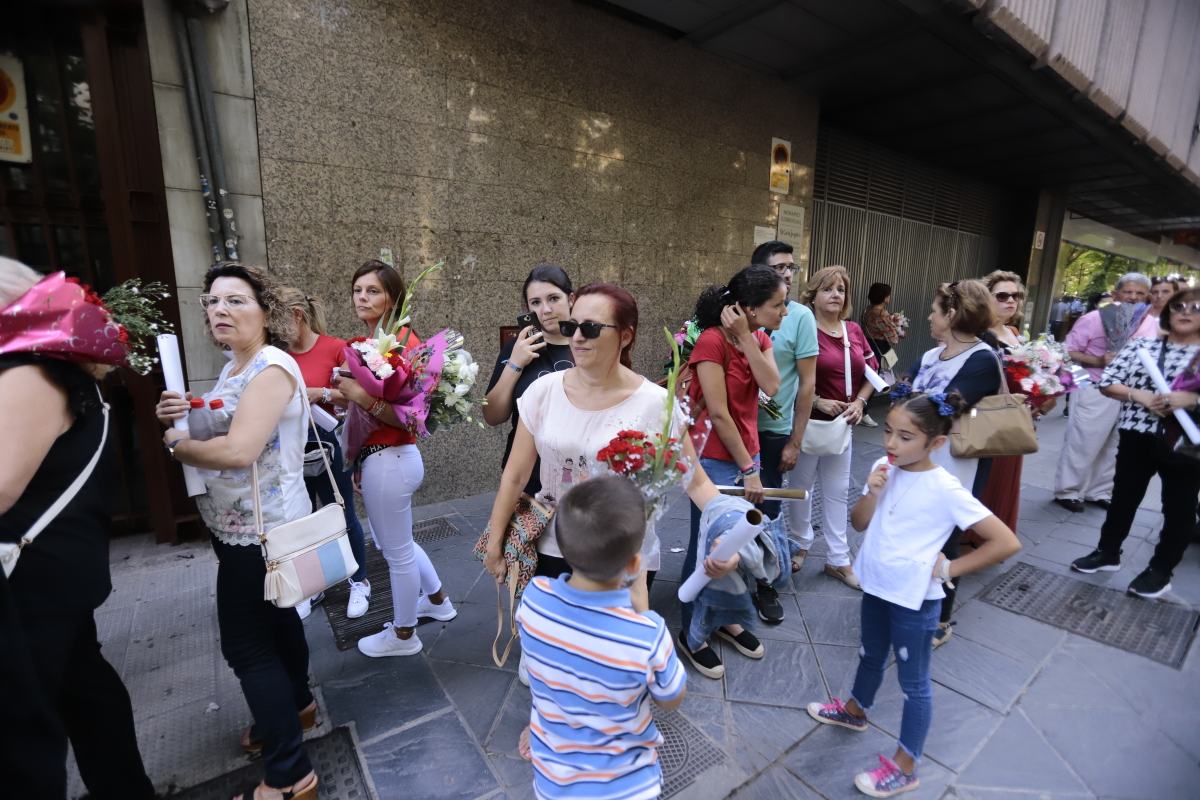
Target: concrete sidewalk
1022, 709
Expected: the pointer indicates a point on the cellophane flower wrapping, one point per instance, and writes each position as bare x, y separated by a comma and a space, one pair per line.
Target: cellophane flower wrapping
1189, 379
1039, 370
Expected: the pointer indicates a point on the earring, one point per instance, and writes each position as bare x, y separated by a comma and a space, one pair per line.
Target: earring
754, 313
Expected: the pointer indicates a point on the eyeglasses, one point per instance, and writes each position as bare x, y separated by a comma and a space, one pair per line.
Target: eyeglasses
1004, 297
784, 269
590, 330
234, 302
1186, 308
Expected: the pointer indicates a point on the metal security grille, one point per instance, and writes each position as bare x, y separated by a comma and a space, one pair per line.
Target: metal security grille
1157, 630
892, 219
333, 757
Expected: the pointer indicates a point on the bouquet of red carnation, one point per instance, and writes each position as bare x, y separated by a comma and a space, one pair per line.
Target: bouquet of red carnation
654, 463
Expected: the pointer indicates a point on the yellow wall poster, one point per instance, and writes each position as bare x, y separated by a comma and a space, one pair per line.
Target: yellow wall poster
14, 112
781, 166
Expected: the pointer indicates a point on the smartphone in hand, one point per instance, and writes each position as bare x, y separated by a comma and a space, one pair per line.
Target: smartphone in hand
527, 319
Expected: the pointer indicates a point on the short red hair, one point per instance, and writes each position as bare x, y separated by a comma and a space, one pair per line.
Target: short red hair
625, 313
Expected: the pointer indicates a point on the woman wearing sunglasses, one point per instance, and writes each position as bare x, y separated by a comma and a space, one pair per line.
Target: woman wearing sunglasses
567, 417
1002, 491
1147, 434
732, 359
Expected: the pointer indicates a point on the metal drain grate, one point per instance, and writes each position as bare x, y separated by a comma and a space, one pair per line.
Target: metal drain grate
333, 757
685, 752
434, 530
1159, 631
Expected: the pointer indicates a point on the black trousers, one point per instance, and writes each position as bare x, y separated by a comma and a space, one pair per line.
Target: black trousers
58, 686
1140, 456
770, 451
265, 647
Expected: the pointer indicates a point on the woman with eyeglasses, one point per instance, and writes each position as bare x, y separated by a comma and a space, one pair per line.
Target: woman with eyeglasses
1148, 433
733, 361
539, 349
391, 470
961, 316
263, 390
568, 416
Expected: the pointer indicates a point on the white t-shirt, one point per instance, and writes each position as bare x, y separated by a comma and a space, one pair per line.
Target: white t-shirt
914, 516
568, 439
228, 506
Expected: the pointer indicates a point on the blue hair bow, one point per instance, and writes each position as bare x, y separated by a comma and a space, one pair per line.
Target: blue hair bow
900, 390
944, 408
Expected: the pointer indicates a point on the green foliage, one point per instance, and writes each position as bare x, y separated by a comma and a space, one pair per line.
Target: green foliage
1086, 271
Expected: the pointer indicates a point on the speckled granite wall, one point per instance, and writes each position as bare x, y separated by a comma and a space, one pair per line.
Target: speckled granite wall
498, 134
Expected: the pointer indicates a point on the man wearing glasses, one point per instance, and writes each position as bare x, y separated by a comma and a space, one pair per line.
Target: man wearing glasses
795, 348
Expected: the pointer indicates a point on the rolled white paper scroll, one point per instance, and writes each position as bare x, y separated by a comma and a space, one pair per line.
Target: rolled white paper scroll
877, 380
1160, 383
172, 367
731, 542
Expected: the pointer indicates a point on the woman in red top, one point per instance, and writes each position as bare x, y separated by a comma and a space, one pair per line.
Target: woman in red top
318, 356
732, 359
392, 471
838, 395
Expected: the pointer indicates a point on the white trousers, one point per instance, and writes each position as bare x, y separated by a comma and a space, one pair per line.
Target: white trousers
389, 479
1088, 458
832, 473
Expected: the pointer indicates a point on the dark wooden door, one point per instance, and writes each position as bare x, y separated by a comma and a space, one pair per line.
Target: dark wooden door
92, 203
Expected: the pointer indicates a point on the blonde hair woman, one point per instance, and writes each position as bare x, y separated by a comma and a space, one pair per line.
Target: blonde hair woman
828, 295
318, 355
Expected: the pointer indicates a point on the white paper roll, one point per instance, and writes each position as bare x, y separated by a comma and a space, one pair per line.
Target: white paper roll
1160, 383
731, 541
877, 380
172, 367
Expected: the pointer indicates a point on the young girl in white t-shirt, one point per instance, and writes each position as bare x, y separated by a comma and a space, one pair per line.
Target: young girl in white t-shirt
909, 507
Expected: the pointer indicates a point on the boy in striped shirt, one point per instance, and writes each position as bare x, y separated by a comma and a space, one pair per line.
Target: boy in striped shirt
597, 654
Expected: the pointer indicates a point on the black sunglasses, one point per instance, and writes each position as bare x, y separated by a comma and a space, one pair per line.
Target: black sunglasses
1004, 297
590, 330
1182, 307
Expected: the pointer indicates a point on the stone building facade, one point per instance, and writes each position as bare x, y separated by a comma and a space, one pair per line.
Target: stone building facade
488, 135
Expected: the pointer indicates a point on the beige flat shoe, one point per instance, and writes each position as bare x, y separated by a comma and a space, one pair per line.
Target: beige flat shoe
798, 559
844, 574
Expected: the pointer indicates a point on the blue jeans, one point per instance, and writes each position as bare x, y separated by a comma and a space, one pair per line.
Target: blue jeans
884, 626
319, 488
722, 473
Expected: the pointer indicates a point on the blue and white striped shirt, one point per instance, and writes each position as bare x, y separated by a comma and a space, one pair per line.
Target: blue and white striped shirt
594, 665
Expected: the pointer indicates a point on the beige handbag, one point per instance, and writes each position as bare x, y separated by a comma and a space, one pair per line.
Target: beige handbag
998, 425
307, 555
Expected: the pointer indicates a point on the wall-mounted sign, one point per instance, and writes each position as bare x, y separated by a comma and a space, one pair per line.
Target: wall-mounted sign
781, 166
1039, 240
791, 224
763, 234
14, 112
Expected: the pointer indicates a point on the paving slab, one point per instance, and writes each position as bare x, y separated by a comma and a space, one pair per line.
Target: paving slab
833, 619
960, 727
433, 759
991, 677
1018, 758
773, 784
788, 675
383, 694
477, 692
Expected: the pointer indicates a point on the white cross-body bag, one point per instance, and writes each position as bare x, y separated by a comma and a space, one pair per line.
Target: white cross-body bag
831, 437
11, 551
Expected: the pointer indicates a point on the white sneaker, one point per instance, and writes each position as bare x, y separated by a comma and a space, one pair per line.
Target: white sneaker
304, 608
387, 643
444, 612
870, 423
360, 596
523, 671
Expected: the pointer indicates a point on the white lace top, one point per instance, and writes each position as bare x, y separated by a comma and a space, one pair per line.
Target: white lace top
228, 506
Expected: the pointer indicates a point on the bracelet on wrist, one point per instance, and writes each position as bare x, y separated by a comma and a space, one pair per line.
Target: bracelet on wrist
517, 368
377, 408
326, 396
